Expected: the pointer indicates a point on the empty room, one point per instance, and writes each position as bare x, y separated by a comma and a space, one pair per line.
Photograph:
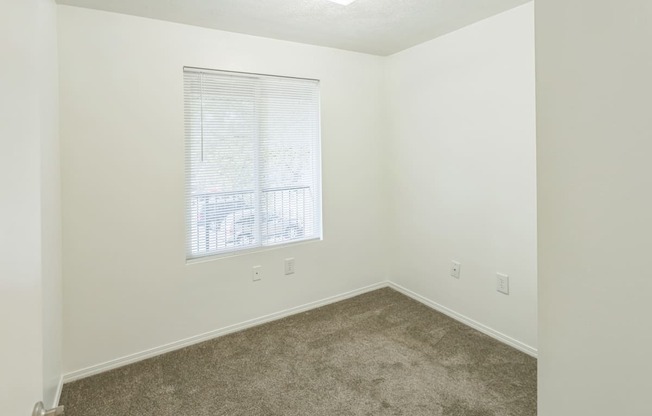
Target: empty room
325, 207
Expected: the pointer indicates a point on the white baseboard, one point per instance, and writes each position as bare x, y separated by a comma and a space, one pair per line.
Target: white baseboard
139, 356
153, 352
467, 321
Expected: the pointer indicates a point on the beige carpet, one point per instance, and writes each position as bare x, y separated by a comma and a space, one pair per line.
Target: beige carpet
380, 353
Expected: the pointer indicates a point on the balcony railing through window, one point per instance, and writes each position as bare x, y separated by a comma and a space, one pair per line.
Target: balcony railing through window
226, 221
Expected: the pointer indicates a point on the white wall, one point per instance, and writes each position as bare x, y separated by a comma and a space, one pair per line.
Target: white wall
29, 221
20, 236
595, 207
463, 171
127, 287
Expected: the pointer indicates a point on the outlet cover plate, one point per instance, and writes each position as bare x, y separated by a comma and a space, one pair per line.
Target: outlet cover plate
289, 266
502, 283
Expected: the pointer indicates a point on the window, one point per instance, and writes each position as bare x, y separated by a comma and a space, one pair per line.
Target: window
252, 161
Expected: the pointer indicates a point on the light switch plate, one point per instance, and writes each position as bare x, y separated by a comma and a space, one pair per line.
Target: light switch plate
455, 269
257, 273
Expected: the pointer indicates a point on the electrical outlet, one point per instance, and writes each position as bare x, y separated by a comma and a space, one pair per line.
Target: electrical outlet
455, 269
289, 266
502, 283
257, 273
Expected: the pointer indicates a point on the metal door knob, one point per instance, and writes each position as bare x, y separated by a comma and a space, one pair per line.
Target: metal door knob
39, 410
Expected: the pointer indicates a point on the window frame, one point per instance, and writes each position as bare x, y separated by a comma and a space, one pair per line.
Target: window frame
315, 188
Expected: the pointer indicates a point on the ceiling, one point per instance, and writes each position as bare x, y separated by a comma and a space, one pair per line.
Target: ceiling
379, 27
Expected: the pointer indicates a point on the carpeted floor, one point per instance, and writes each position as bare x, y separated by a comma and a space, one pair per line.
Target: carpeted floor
380, 353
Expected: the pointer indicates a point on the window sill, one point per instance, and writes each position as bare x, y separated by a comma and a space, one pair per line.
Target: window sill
246, 252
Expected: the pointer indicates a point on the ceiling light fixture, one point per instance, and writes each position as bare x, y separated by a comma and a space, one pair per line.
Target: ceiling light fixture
343, 2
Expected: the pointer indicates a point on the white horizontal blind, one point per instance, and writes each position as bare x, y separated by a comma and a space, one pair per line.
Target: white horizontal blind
253, 174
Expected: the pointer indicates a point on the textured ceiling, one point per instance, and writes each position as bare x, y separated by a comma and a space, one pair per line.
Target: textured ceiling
380, 27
